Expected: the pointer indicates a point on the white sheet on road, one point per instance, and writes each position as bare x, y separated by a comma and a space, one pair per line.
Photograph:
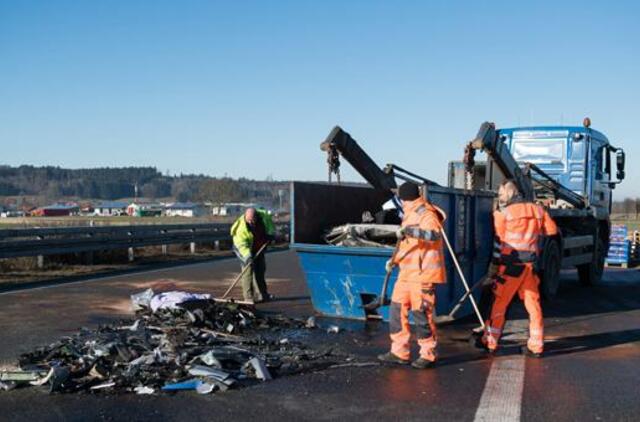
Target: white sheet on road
171, 300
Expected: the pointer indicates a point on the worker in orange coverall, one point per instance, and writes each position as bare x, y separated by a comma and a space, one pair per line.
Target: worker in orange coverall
421, 262
519, 230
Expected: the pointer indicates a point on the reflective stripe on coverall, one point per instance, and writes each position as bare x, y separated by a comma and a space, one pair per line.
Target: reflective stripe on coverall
518, 230
421, 262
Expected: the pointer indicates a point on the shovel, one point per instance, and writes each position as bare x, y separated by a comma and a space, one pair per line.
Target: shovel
244, 270
383, 300
484, 281
462, 277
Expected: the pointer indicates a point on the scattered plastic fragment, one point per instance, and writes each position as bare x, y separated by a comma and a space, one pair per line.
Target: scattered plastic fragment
141, 389
203, 371
44, 379
8, 385
311, 322
132, 327
334, 329
262, 373
185, 385
205, 388
60, 375
141, 300
103, 386
20, 376
209, 359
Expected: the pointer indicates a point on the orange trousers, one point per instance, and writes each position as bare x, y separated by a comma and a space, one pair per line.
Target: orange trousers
420, 300
526, 285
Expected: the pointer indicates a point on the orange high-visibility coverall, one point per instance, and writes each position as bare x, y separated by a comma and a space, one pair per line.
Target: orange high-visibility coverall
518, 231
421, 262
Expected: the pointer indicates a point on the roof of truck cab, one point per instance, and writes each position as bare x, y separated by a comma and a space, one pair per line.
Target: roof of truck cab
593, 132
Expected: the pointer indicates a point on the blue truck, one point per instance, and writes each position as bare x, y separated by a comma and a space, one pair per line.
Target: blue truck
567, 169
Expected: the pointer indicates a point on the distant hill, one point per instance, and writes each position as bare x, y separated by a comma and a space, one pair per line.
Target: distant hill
54, 183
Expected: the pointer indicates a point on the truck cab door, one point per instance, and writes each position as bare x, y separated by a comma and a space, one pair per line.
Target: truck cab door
600, 177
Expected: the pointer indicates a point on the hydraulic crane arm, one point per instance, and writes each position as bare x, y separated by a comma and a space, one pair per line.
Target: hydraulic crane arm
340, 141
525, 179
488, 141
547, 183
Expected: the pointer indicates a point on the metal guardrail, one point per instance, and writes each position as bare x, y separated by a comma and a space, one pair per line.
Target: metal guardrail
63, 240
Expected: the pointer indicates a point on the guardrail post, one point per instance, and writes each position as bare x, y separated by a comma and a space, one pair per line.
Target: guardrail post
164, 249
131, 254
40, 262
88, 258
192, 247
216, 245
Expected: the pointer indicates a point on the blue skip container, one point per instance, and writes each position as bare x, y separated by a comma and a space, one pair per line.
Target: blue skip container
342, 279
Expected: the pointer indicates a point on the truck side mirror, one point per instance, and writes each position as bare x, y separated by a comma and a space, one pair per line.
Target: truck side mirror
620, 159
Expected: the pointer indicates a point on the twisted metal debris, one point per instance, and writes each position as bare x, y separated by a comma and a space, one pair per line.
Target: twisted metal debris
200, 345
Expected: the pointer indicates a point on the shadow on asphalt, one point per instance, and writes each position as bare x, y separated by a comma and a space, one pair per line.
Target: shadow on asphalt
585, 343
575, 299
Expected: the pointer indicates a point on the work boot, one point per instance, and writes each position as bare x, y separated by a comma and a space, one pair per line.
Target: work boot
477, 342
528, 353
266, 298
391, 358
422, 363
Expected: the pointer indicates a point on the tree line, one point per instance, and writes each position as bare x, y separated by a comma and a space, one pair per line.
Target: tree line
54, 183
628, 206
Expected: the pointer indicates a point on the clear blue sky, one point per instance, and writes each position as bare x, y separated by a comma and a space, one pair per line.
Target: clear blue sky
251, 88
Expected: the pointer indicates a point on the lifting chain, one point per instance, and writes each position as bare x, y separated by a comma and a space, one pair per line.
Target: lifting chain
469, 166
333, 161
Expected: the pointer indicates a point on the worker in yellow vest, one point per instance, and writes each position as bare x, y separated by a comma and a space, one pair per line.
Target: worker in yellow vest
250, 233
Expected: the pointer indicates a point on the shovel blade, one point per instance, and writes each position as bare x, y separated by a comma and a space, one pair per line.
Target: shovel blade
372, 306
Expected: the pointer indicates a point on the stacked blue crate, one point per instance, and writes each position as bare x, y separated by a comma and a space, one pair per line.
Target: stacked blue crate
619, 245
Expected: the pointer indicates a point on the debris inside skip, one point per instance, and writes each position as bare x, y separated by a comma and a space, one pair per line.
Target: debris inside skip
176, 342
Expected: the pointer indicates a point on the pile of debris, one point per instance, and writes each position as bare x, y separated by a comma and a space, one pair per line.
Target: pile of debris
178, 341
366, 235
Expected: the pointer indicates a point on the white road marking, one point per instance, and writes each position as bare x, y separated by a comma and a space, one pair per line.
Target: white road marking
125, 275
502, 395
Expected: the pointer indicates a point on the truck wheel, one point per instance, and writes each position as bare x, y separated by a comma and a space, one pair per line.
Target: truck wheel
550, 274
590, 274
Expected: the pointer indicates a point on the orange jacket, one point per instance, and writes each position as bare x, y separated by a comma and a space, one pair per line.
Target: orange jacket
518, 229
420, 255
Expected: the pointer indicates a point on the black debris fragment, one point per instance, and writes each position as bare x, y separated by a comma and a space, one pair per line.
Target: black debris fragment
201, 345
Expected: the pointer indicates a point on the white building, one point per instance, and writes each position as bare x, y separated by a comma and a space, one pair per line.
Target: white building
185, 209
232, 208
110, 209
145, 209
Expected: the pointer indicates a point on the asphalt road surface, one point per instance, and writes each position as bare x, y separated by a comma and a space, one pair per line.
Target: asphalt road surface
591, 371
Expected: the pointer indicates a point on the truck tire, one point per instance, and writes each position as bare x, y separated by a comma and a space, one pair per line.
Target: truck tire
550, 273
590, 274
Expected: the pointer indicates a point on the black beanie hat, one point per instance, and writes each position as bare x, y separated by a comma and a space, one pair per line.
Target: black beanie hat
408, 191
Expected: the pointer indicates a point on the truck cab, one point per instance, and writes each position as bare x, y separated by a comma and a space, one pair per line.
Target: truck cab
577, 157
567, 169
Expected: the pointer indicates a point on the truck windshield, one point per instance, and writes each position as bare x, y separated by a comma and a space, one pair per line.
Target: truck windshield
550, 151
